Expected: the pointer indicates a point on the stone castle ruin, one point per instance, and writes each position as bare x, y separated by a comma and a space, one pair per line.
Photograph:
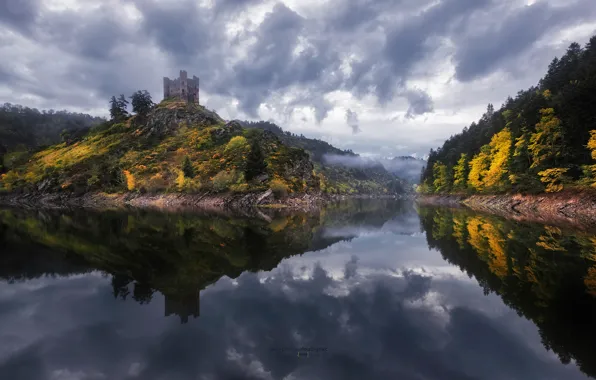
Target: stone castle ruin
182, 88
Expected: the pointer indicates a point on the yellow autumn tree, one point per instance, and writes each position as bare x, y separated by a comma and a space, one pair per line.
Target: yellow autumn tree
589, 177
479, 166
554, 179
500, 149
460, 173
547, 142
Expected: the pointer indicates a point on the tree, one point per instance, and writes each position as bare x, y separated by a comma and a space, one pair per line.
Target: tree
118, 107
255, 161
460, 173
2, 153
442, 180
479, 166
141, 102
546, 144
500, 149
187, 168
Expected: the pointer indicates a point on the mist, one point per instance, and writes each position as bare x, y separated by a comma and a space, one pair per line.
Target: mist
407, 168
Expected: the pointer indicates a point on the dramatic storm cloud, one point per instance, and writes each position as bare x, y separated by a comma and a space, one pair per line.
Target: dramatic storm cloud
410, 73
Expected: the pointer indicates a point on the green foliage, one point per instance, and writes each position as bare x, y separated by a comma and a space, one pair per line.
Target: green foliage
255, 162
141, 102
460, 173
442, 180
548, 126
187, 168
223, 180
118, 108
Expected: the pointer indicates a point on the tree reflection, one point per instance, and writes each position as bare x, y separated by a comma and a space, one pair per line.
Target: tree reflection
546, 274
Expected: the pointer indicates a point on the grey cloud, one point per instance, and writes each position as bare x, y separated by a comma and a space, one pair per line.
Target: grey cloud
352, 120
420, 103
19, 15
481, 54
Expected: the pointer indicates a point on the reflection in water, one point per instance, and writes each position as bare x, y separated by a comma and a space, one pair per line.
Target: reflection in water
544, 273
84, 296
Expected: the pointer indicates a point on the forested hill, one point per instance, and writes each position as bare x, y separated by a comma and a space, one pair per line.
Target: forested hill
544, 139
23, 128
317, 148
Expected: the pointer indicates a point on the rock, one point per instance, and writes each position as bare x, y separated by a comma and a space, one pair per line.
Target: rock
261, 178
264, 196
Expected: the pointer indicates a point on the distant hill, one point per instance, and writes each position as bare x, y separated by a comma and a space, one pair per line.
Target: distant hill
24, 128
345, 171
175, 147
406, 167
316, 148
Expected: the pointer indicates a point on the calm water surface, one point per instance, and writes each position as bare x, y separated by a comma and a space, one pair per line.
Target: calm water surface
362, 290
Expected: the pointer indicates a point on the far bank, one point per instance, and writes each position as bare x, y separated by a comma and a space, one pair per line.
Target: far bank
572, 208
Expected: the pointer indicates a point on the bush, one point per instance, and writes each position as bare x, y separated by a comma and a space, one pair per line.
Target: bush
223, 180
280, 188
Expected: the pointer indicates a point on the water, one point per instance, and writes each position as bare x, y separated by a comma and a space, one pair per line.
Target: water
362, 290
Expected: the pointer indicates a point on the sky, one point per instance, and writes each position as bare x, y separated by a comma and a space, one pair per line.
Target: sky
380, 77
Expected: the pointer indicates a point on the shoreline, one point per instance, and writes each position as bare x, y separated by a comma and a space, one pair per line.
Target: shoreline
569, 208
247, 203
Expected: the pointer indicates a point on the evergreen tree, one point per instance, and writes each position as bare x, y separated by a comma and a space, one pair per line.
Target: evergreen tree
2, 153
141, 102
255, 161
187, 168
118, 107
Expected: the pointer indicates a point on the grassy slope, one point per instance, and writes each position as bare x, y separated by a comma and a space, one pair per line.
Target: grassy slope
148, 154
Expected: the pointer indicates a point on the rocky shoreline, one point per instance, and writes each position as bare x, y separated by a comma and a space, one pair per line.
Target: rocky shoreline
247, 204
570, 208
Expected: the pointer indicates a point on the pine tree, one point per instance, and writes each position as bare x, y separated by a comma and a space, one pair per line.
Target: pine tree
141, 102
255, 162
118, 107
187, 168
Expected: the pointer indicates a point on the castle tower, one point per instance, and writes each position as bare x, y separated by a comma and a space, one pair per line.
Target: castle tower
182, 88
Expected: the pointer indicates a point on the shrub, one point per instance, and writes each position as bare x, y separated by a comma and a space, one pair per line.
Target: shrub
223, 180
130, 180
279, 187
157, 183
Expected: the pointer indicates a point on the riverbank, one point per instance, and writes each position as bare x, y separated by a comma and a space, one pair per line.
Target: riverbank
249, 203
571, 208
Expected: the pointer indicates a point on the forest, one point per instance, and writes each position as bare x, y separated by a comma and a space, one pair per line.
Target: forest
543, 140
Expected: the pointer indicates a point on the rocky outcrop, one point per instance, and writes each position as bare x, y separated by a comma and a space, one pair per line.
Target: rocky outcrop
164, 120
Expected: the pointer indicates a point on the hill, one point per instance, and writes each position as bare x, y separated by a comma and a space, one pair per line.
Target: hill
175, 147
24, 128
345, 171
543, 140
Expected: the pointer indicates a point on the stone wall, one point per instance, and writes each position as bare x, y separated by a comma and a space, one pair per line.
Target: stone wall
182, 88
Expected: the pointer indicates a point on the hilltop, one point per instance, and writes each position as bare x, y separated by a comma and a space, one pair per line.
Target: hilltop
177, 147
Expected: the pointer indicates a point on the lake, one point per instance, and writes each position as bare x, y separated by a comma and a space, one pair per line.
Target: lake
363, 289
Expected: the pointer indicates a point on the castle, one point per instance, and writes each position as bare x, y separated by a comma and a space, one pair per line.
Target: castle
182, 88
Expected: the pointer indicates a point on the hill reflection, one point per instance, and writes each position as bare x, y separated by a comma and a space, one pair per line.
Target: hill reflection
546, 274
176, 254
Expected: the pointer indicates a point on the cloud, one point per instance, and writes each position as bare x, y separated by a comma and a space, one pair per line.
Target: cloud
420, 103
352, 120
287, 60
